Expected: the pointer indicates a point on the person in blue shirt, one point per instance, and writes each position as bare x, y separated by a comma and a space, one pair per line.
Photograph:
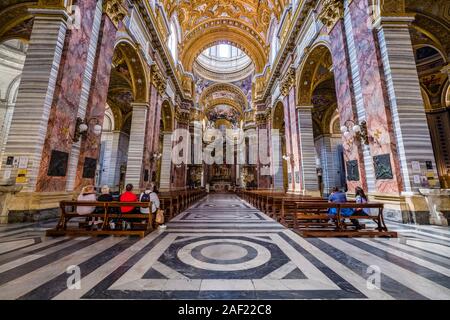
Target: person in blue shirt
338, 196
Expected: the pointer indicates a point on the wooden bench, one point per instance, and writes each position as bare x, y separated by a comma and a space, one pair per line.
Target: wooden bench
105, 211
311, 219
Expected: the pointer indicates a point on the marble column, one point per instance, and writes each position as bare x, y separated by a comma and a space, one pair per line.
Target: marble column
35, 94
366, 158
166, 162
149, 147
116, 150
289, 136
263, 152
297, 178
329, 161
346, 103
383, 144
134, 173
277, 162
89, 149
307, 156
407, 108
85, 91
63, 113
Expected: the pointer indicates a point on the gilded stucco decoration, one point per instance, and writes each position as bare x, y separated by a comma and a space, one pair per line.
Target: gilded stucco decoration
243, 23
332, 11
223, 91
115, 10
287, 81
158, 80
314, 69
127, 54
182, 116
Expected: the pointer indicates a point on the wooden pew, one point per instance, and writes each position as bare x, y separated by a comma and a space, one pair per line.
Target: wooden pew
108, 212
311, 219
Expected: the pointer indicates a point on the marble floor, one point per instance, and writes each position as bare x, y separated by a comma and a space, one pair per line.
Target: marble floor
222, 248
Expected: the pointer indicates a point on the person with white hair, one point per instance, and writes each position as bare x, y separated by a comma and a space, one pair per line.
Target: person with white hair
105, 195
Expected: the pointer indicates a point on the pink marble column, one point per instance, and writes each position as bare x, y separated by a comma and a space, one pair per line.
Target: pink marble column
295, 136
90, 146
345, 100
288, 138
63, 113
180, 174
149, 149
379, 120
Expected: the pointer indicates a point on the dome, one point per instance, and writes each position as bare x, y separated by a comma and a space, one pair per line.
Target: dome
223, 62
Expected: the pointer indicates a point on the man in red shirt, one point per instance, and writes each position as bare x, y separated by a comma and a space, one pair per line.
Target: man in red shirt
128, 196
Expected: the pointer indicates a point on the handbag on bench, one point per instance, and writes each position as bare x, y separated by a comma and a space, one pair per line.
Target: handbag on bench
159, 219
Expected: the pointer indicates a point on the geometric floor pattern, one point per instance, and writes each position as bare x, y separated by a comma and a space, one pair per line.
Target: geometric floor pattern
223, 248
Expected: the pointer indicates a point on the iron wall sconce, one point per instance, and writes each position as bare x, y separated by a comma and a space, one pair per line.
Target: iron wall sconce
82, 127
350, 129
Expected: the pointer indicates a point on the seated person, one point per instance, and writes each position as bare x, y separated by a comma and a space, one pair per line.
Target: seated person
105, 196
338, 196
360, 198
87, 194
128, 196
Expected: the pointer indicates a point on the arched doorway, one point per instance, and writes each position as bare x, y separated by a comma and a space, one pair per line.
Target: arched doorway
317, 89
13, 52
280, 174
127, 86
436, 93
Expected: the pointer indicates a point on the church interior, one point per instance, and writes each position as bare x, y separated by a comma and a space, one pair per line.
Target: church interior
225, 149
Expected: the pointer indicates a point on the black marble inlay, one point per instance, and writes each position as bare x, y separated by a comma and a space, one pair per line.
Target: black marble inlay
153, 274
58, 164
352, 170
170, 258
382, 165
90, 165
295, 274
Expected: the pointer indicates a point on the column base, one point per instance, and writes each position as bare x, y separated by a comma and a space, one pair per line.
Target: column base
31, 206
411, 208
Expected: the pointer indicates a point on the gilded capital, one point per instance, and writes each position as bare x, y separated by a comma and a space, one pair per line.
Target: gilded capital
288, 81
261, 118
332, 12
182, 116
158, 80
115, 11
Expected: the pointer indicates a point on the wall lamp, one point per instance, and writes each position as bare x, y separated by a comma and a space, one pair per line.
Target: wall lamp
288, 157
156, 155
350, 129
82, 127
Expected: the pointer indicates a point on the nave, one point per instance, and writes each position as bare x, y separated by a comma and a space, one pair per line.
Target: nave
223, 248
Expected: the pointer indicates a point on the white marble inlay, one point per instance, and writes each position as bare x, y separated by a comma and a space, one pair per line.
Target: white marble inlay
185, 255
224, 252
